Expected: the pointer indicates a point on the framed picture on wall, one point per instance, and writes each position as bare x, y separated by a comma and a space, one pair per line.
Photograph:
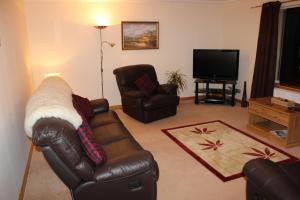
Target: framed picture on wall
138, 35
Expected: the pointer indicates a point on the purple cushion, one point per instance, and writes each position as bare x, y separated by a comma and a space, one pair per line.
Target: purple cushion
83, 106
93, 150
145, 84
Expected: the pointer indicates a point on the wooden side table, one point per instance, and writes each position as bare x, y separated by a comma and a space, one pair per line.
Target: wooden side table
265, 116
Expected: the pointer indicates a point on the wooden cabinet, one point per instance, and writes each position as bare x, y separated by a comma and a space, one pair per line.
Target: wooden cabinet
265, 116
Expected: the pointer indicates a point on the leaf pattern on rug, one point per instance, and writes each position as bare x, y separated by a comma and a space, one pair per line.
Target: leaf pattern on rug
211, 145
203, 131
266, 154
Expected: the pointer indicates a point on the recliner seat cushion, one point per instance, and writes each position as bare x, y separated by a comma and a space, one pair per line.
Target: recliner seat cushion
121, 147
160, 101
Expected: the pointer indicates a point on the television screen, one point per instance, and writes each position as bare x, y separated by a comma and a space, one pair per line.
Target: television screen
215, 64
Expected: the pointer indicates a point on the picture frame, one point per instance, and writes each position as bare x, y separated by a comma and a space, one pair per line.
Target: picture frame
139, 35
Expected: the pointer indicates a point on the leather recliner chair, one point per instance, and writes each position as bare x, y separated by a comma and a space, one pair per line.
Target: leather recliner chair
267, 180
138, 104
130, 172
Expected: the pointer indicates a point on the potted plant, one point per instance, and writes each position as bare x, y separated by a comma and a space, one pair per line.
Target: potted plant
177, 78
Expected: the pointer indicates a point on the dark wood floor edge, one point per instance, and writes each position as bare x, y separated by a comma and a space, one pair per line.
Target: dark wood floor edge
187, 98
115, 107
239, 100
26, 172
193, 97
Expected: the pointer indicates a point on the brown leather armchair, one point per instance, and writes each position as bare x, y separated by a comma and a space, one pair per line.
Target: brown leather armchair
267, 180
138, 104
130, 172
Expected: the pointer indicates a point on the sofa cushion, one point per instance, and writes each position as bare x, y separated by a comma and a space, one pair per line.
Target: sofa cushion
83, 106
108, 133
160, 101
103, 119
121, 147
91, 147
144, 83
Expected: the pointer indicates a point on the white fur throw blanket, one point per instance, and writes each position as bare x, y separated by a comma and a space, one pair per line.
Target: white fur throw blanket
53, 98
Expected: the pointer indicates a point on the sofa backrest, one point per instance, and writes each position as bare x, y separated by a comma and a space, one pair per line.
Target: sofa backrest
53, 98
126, 76
51, 121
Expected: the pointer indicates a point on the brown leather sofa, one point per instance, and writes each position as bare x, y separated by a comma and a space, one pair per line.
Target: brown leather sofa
267, 180
138, 104
130, 172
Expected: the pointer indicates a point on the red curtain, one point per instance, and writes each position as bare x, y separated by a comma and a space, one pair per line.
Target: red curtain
265, 64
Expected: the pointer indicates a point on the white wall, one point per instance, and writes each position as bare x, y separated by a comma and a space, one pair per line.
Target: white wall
241, 26
62, 39
14, 90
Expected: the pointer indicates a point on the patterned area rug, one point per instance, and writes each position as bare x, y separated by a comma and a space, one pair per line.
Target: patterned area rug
222, 148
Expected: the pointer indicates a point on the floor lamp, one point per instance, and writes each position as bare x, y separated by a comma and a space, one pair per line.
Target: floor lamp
111, 44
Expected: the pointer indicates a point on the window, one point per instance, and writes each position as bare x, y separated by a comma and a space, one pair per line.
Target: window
289, 62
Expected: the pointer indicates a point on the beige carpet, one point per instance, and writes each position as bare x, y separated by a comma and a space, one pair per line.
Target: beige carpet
181, 176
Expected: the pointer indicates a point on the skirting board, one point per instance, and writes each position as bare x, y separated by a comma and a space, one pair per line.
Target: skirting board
26, 172
115, 107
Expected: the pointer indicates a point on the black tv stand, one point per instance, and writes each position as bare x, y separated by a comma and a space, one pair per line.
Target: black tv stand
215, 95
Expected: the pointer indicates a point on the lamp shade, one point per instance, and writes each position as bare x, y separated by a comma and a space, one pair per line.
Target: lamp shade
52, 74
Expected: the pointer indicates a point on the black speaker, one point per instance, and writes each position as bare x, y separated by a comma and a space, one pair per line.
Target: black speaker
244, 102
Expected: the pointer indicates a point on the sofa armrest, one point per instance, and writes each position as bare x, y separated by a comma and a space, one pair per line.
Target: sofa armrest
125, 166
135, 94
168, 89
100, 105
269, 180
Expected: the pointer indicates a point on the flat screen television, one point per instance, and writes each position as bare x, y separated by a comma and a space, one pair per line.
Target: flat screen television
216, 64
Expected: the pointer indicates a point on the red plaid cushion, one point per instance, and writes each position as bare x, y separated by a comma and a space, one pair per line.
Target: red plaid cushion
82, 105
91, 147
144, 83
